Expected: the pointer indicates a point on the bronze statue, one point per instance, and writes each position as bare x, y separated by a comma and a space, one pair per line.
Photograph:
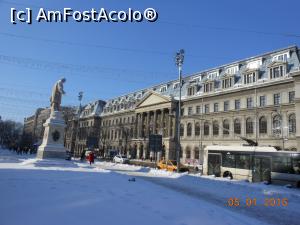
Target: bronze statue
57, 92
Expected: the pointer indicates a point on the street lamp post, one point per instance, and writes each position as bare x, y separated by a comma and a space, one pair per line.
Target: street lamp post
80, 96
179, 58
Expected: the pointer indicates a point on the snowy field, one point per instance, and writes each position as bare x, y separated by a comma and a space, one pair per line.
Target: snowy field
40, 192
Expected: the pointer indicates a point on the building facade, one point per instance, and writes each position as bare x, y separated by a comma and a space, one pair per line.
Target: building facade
83, 128
256, 98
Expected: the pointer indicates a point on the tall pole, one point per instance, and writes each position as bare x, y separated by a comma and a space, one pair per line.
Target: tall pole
179, 58
80, 96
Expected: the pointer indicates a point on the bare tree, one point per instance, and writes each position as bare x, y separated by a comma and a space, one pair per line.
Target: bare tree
10, 133
126, 132
104, 139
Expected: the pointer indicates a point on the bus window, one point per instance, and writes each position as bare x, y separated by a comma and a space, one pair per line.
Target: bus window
228, 160
242, 161
281, 164
296, 165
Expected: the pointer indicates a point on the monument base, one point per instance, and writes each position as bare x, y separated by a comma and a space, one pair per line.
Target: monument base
48, 152
53, 141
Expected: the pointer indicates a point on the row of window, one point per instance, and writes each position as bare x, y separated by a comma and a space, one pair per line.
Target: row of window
86, 124
247, 78
117, 121
117, 134
249, 124
279, 164
237, 103
122, 106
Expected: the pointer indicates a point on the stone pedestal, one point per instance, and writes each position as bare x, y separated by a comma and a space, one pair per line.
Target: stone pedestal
53, 141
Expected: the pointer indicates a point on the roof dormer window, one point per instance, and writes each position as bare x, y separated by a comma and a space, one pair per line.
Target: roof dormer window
208, 87
281, 57
227, 82
213, 75
250, 77
163, 88
255, 64
232, 70
191, 90
176, 85
277, 71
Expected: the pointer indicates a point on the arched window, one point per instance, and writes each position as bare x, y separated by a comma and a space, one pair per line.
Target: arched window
249, 126
276, 124
181, 130
187, 153
226, 127
196, 153
292, 124
206, 128
215, 128
197, 129
237, 126
189, 129
262, 125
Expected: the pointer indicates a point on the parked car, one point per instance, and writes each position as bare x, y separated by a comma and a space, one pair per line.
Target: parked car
171, 165
120, 159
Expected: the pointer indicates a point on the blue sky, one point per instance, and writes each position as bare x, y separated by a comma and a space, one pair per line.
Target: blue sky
110, 59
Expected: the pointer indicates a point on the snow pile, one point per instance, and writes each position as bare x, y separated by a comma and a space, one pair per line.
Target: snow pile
165, 173
42, 192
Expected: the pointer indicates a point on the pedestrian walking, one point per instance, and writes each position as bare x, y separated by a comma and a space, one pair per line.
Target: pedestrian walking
91, 157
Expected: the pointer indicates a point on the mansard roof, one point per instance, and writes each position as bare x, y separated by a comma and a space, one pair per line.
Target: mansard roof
170, 88
92, 109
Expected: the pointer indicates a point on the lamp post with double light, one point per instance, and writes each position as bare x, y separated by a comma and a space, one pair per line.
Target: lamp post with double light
179, 58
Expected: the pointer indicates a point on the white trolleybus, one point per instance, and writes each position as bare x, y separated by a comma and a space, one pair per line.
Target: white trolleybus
253, 163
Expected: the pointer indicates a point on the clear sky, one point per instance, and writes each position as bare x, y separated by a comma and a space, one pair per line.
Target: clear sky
109, 59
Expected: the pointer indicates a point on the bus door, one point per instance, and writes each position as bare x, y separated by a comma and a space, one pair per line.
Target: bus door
261, 170
214, 164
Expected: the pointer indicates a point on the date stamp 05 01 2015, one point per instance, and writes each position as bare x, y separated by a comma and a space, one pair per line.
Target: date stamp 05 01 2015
250, 202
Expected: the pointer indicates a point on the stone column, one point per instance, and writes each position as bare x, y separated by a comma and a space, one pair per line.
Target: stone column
243, 126
184, 130
193, 130
136, 126
231, 128
162, 126
174, 127
221, 135
154, 122
147, 123
284, 124
140, 125
169, 124
211, 129
138, 152
269, 125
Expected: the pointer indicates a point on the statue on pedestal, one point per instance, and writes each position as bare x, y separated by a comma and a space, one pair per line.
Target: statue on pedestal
53, 141
57, 92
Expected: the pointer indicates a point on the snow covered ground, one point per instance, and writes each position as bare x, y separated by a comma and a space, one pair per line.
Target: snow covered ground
62, 192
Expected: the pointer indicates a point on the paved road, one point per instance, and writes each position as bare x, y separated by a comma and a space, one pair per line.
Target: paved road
272, 215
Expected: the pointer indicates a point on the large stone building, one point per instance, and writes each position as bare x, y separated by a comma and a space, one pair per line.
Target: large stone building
33, 125
83, 131
256, 98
